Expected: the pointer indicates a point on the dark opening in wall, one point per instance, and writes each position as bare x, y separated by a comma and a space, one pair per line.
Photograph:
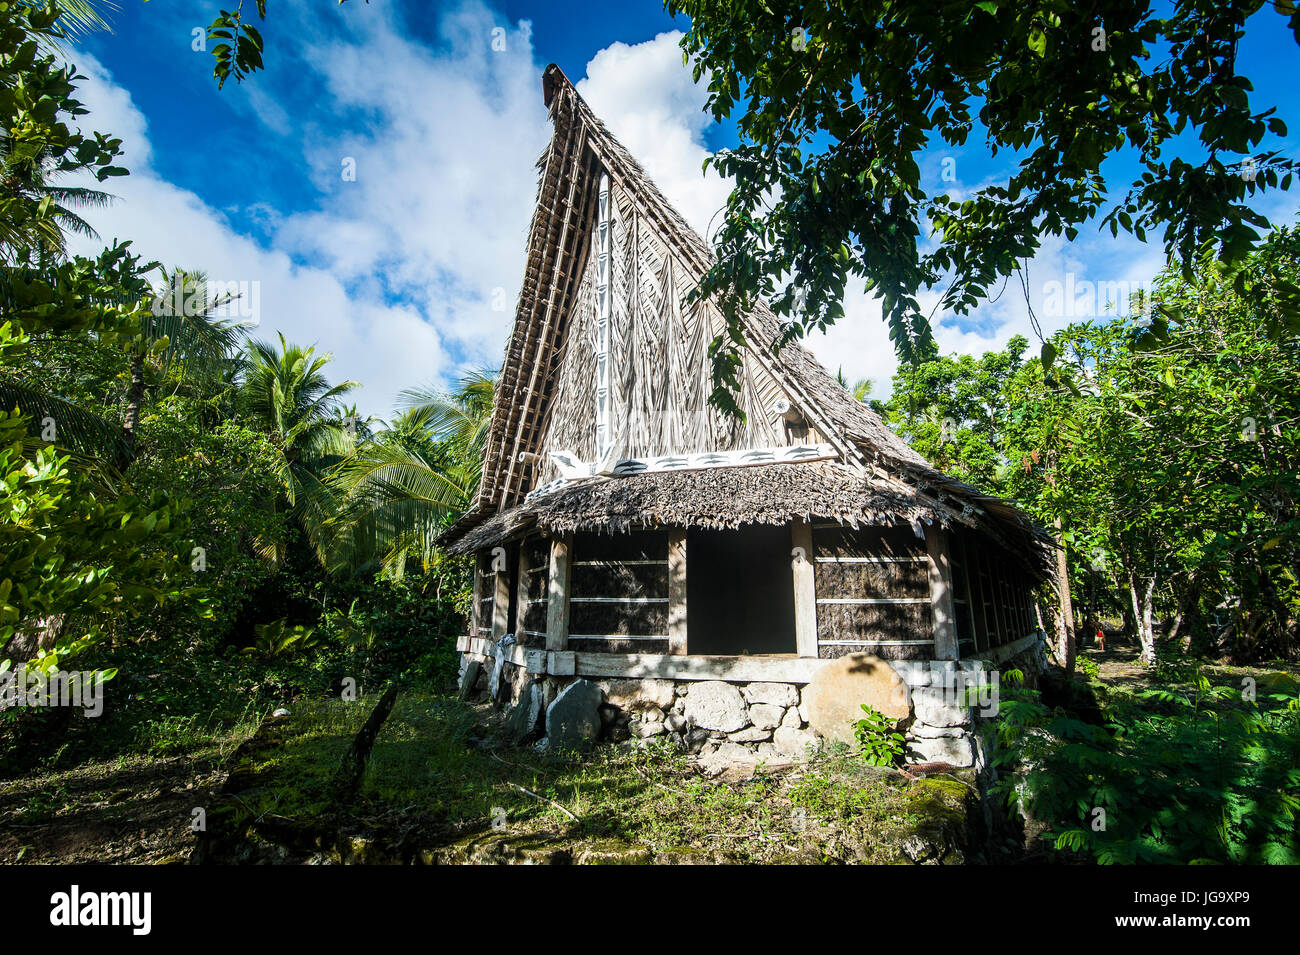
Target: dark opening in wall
739, 591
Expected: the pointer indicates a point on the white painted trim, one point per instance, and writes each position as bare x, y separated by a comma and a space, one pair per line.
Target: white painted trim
873, 600
876, 643
618, 563
618, 600
870, 560
618, 636
604, 295
573, 469
736, 669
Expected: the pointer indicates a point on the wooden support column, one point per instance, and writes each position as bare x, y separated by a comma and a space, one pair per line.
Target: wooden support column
805, 588
501, 601
967, 570
557, 594
521, 591
677, 591
476, 612
941, 605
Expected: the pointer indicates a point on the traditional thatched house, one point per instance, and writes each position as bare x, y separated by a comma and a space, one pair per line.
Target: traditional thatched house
627, 532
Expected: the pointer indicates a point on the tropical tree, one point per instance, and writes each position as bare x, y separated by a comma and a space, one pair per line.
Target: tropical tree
853, 116
397, 492
286, 395
184, 335
38, 148
861, 389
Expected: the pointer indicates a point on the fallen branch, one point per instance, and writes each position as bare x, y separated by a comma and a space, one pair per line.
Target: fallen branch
347, 781
529, 792
506, 762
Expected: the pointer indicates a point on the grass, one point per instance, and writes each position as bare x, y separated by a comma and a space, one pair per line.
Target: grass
436, 769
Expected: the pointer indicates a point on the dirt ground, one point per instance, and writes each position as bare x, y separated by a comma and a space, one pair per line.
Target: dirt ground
134, 810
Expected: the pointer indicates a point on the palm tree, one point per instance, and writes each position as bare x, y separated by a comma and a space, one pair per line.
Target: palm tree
399, 491
38, 212
860, 390
183, 335
286, 394
461, 418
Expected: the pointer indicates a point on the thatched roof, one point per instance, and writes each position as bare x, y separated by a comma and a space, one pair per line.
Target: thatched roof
733, 497
881, 480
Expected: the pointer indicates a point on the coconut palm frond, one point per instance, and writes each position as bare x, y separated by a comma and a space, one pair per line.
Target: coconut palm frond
66, 426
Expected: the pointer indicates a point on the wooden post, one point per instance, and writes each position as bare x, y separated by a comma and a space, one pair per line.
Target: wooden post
501, 600
557, 594
476, 612
521, 591
805, 588
677, 591
945, 618
967, 569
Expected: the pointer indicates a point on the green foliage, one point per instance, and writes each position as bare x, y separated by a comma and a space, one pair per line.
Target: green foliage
879, 743
399, 490
836, 104
281, 639
72, 557
1181, 773
954, 410
237, 45
39, 145
1165, 447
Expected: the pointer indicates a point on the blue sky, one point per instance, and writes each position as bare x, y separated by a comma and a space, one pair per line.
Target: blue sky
408, 272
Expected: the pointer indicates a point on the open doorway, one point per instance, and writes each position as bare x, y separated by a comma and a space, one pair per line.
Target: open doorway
739, 591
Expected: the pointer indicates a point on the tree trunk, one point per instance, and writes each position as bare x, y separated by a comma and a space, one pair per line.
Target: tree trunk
1142, 615
1065, 634
134, 399
347, 781
1187, 604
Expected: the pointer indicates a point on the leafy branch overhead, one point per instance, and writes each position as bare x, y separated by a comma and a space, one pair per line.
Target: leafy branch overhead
839, 106
237, 44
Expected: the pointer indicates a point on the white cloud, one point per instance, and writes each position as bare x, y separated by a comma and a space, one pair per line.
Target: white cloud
393, 273
383, 346
444, 173
646, 97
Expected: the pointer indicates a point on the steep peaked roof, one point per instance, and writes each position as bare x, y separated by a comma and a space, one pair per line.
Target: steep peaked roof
580, 151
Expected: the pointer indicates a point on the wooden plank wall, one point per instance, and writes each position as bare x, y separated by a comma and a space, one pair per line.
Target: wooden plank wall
485, 588
873, 592
619, 593
995, 605
531, 606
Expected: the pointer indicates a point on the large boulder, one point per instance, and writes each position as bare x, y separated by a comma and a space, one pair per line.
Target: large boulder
766, 716
714, 705
941, 706
835, 696
775, 694
574, 718
728, 756
632, 695
948, 749
793, 743
469, 678
523, 718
